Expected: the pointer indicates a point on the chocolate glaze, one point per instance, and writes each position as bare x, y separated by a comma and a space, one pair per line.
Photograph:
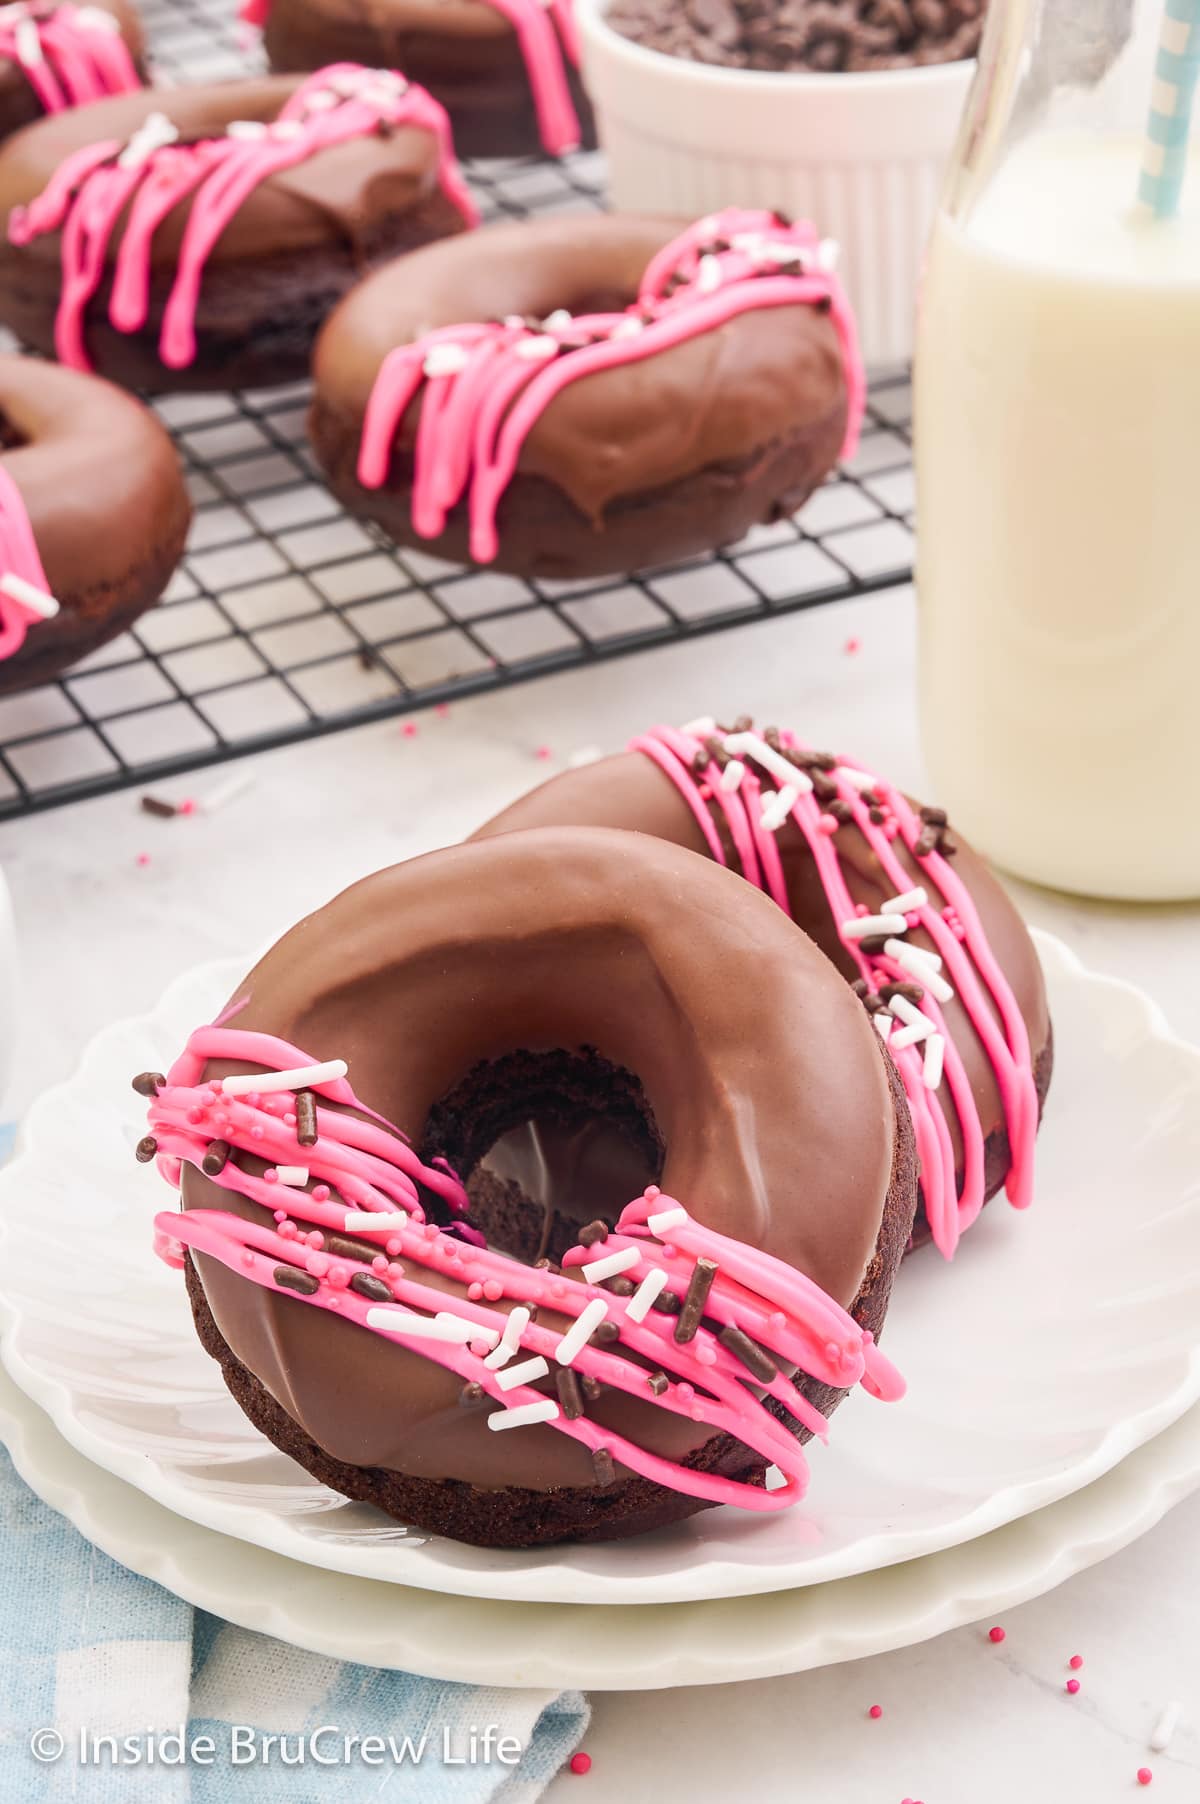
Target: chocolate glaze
543, 943
630, 791
466, 54
19, 104
105, 496
302, 238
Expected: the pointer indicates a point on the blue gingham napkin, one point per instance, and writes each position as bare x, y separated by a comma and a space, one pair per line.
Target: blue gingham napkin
87, 1647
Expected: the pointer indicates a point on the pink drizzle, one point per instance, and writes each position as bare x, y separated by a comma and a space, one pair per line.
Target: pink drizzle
18, 557
547, 34
92, 189
370, 1168
484, 386
70, 54
969, 964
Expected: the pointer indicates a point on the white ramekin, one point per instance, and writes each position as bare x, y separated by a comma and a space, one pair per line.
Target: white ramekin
860, 155
8, 988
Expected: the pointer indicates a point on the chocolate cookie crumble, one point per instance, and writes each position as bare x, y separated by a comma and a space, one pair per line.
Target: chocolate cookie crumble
825, 37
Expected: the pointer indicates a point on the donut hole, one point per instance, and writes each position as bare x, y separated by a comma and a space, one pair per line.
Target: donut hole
546, 1142
11, 438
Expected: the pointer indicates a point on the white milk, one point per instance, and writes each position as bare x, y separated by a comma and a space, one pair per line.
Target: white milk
1058, 463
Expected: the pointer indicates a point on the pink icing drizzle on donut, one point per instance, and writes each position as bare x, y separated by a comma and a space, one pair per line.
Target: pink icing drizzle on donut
546, 33
359, 1167
19, 560
70, 54
144, 179
969, 964
484, 385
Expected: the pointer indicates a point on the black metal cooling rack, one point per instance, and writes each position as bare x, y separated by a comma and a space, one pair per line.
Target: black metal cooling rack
288, 619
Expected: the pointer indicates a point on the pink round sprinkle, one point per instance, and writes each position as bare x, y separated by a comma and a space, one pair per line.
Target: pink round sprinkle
143, 859
320, 1193
875, 1712
706, 1354
474, 1292
409, 729
281, 1215
493, 1290
394, 1244
996, 1634
287, 1230
187, 806
827, 824
442, 710
256, 1132
1144, 1775
1075, 1662
1072, 1686
481, 1348
652, 1193
317, 1264
543, 752
247, 1257
271, 1176
581, 1762
705, 792
339, 1276
853, 646
379, 1263
315, 1238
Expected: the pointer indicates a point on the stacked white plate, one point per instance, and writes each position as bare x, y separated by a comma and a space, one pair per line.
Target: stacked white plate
1052, 1415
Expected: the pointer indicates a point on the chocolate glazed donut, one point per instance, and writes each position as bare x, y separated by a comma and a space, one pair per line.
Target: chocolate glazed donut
229, 290
76, 62
674, 785
685, 426
92, 477
579, 973
466, 52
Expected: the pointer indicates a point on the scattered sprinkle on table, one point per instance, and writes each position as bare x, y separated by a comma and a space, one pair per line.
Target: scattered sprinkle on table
1072, 1686
1075, 1662
143, 859
543, 753
581, 1762
1144, 1775
997, 1634
409, 729
875, 1712
853, 646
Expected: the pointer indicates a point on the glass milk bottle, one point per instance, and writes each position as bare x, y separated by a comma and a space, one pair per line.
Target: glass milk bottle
1057, 435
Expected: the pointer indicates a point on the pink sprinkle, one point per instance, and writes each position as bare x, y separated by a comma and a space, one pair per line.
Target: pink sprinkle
1144, 1775
852, 646
474, 1292
543, 752
1075, 1662
705, 792
247, 1257
996, 1634
256, 1132
320, 1193
271, 1176
281, 1215
442, 710
339, 1276
827, 824
875, 1712
317, 1264
315, 1238
493, 1290
481, 1348
1072, 1686
287, 1230
394, 1244
581, 1762
186, 807
705, 1354
332, 1300
410, 729
143, 858
379, 1263
652, 1193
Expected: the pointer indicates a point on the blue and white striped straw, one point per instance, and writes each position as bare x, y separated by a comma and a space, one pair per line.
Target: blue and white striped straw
1176, 68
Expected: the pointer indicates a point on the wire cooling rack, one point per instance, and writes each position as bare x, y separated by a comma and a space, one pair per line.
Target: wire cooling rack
288, 619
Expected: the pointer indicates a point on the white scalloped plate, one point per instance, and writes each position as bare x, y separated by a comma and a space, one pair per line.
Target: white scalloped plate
598, 1647
1057, 1341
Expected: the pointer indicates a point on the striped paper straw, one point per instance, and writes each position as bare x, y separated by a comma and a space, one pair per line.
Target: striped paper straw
1164, 153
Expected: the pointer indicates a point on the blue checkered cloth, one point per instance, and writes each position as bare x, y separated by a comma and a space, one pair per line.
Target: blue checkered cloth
86, 1645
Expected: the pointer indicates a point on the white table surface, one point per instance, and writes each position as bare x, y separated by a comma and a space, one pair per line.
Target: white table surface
964, 1722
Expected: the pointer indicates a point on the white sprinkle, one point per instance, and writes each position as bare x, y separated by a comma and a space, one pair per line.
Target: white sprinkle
28, 44
1166, 1726
587, 754
862, 927
731, 776
644, 1297
666, 1219
773, 251
155, 133
29, 594
777, 808
443, 1326
701, 728
444, 360
905, 904
510, 1340
935, 1059
629, 327
750, 242
94, 18
268, 1082
286, 129
828, 253
356, 1221
921, 965
708, 276
538, 349
708, 226
857, 779
883, 1026
227, 791
525, 1373
749, 745
324, 100
247, 129
598, 1269
524, 1414
559, 320
911, 1036
292, 1174
774, 1479
904, 1010
580, 1332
